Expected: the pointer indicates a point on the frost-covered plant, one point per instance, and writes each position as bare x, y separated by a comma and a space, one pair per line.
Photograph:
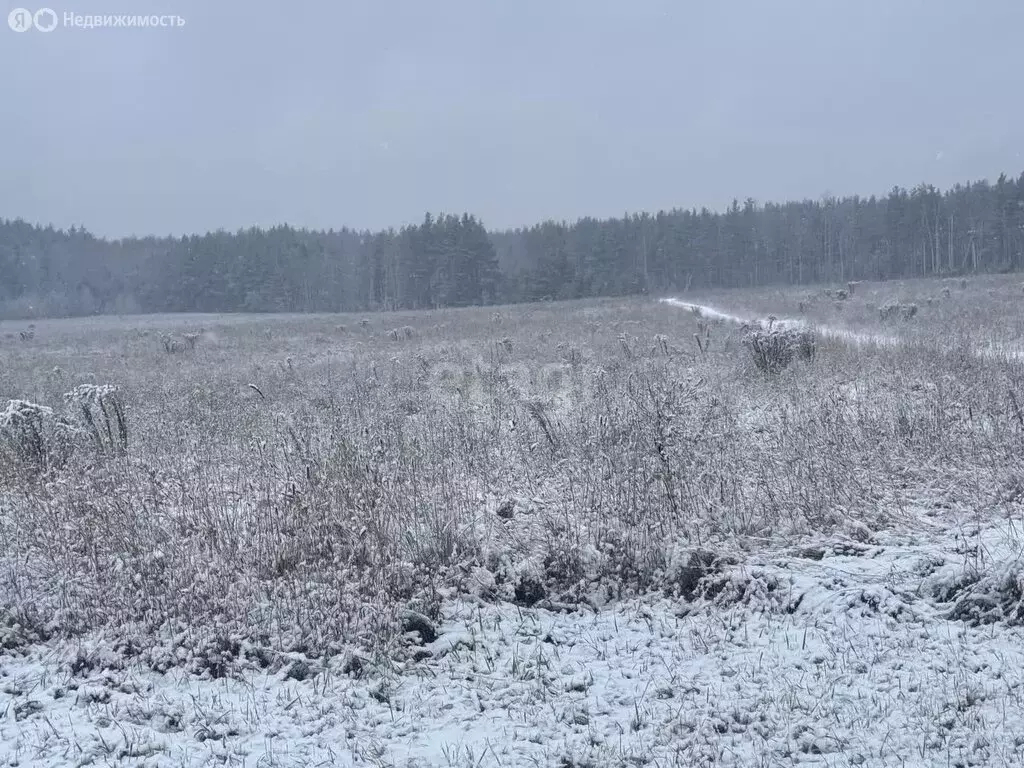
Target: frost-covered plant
172, 345
103, 413
33, 438
775, 348
404, 332
897, 310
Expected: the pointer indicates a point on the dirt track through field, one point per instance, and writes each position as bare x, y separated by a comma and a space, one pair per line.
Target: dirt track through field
851, 337
993, 350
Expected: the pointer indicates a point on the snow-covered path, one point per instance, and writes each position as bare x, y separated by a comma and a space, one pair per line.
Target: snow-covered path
843, 334
991, 350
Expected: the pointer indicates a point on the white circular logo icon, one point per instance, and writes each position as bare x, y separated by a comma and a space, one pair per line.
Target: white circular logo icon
45, 20
20, 20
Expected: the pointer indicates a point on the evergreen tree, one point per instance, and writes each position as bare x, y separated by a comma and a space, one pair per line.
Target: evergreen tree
450, 260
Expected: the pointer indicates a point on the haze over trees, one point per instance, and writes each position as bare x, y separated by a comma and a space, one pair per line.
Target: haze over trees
452, 261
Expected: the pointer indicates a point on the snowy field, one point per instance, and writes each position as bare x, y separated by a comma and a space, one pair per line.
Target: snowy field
845, 660
582, 534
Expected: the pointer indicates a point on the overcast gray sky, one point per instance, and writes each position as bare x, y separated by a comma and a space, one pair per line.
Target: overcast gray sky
368, 114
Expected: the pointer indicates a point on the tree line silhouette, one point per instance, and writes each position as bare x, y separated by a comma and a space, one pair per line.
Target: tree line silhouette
452, 260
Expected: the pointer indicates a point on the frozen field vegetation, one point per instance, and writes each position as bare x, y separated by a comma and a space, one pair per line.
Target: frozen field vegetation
745, 529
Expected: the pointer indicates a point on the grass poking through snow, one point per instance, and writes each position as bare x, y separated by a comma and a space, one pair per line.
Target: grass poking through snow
589, 533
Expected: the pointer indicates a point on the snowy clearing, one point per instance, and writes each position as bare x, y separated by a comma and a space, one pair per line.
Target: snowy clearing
634, 550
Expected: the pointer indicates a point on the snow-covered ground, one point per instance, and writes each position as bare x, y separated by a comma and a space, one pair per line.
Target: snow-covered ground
833, 332
901, 647
850, 651
991, 349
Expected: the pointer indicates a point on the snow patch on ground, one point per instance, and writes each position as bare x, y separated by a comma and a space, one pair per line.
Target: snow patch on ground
840, 652
1002, 350
856, 338
992, 350
710, 313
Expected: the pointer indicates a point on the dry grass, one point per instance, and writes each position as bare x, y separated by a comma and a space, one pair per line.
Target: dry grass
290, 485
980, 311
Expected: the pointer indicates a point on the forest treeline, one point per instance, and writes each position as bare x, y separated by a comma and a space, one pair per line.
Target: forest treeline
452, 260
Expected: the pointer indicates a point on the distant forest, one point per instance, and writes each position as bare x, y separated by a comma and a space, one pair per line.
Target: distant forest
452, 260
